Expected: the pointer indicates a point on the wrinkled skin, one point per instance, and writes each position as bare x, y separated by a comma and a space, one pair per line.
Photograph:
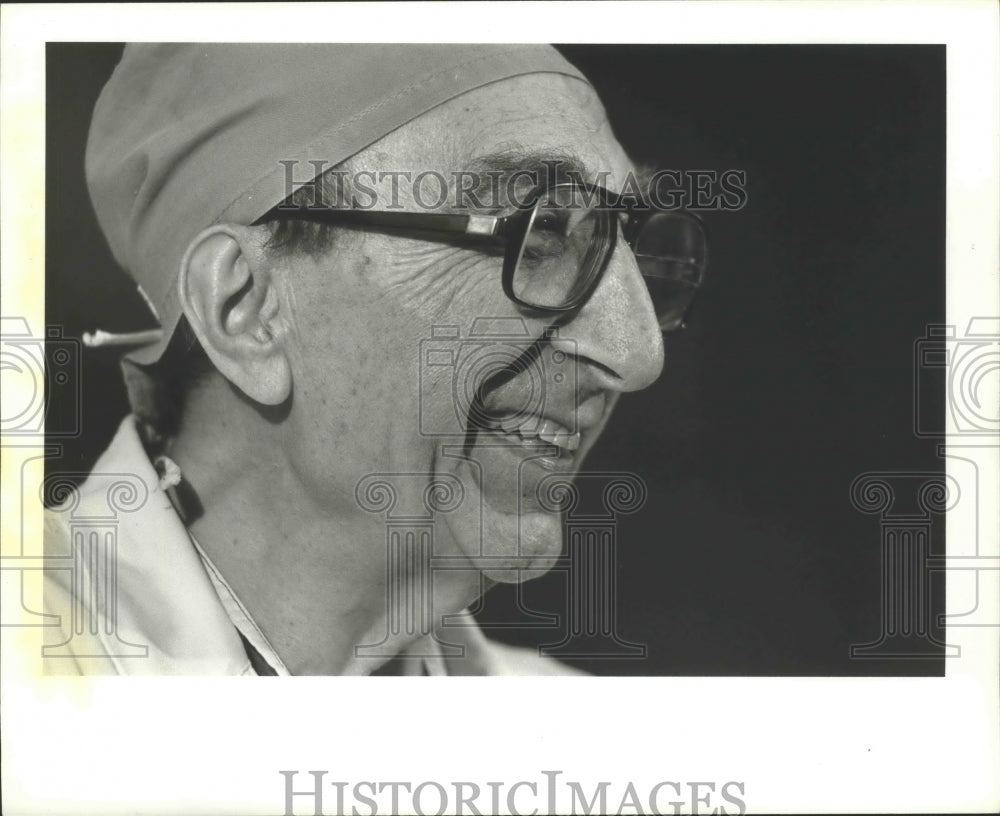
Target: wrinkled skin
341, 336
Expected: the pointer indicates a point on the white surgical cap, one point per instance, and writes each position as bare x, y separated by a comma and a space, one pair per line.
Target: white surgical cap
192, 134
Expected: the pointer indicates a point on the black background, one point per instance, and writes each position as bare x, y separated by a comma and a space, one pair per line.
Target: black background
794, 376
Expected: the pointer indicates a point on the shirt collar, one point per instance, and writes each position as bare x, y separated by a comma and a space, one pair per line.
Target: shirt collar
173, 598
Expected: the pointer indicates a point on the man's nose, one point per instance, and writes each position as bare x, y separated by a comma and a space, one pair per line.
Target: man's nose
616, 331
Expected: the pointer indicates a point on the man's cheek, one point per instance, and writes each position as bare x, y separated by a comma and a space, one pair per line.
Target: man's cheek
456, 289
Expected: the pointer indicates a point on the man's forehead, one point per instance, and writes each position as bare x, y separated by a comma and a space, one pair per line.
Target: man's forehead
521, 123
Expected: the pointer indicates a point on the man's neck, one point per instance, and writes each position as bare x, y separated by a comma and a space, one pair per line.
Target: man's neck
313, 580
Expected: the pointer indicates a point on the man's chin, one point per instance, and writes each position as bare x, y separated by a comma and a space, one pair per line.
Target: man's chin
499, 527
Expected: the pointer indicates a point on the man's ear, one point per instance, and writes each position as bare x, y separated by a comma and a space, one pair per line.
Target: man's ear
230, 299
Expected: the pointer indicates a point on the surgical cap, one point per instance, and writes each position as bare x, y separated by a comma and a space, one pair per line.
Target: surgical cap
189, 135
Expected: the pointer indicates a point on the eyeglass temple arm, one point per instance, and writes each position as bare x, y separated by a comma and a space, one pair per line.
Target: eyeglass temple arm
486, 225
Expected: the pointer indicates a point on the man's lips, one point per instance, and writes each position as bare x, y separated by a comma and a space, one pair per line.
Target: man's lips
532, 430
561, 423
513, 447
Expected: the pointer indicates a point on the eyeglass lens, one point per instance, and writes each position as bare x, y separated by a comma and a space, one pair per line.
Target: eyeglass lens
670, 250
562, 250
566, 246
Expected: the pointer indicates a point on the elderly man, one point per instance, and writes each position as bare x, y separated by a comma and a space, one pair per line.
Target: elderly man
320, 299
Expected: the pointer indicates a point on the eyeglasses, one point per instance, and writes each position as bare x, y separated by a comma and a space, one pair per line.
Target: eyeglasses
556, 247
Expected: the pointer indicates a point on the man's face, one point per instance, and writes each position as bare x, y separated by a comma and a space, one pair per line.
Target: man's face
368, 397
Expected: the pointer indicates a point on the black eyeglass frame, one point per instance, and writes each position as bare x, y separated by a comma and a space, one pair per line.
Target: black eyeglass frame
511, 231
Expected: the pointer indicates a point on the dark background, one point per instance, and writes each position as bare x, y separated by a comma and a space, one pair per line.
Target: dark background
794, 376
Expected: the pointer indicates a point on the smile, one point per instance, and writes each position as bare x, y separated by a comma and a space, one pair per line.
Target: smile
535, 431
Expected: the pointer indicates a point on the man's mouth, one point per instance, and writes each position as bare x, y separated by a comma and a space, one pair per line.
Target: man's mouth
533, 432
512, 457
513, 451
514, 454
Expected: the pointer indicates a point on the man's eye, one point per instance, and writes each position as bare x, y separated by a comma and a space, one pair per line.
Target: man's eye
547, 237
550, 221
543, 244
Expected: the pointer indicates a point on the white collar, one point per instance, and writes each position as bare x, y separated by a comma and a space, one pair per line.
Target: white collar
173, 599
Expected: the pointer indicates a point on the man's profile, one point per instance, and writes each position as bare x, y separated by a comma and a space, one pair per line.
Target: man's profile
408, 280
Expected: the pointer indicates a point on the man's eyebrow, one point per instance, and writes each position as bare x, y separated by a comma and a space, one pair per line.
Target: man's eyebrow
552, 166
513, 160
534, 167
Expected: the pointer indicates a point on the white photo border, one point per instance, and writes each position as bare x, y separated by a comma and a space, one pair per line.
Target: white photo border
108, 745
